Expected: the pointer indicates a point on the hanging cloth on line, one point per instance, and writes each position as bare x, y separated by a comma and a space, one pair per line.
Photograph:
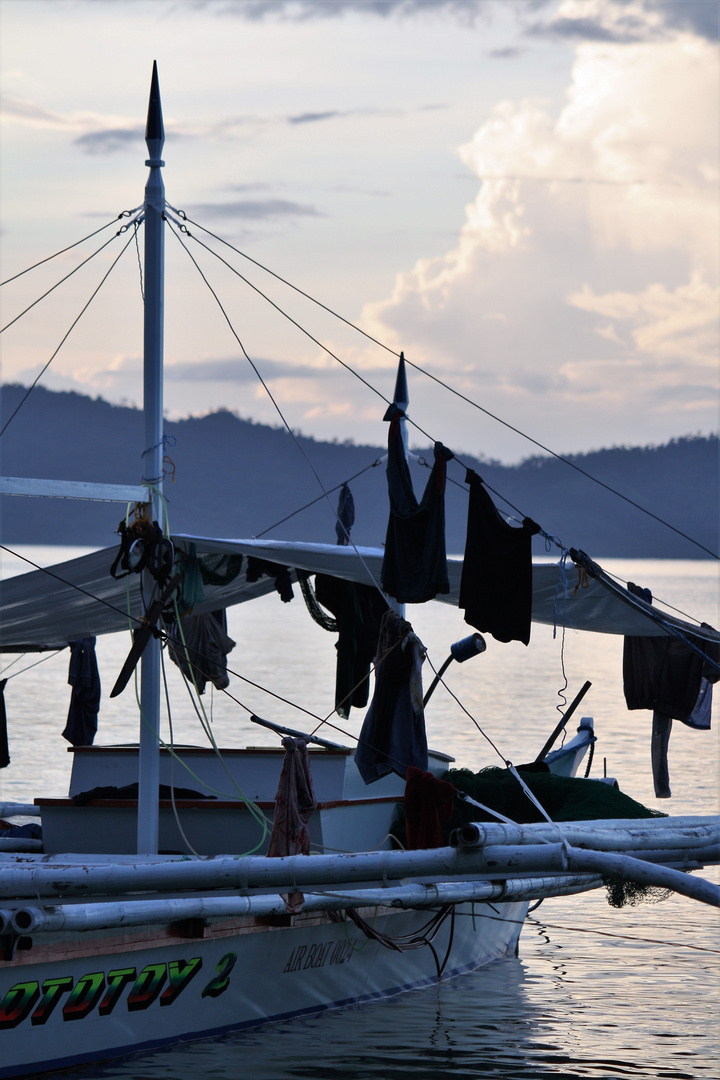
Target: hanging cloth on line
414, 566
393, 732
496, 583
668, 677
208, 645
358, 610
345, 516
257, 568
4, 749
295, 804
84, 677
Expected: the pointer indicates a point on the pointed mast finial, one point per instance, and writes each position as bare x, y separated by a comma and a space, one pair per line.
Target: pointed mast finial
401, 398
154, 128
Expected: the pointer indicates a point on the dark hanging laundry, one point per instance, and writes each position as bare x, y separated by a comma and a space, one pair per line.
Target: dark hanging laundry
4, 748
84, 677
414, 566
496, 583
428, 801
207, 645
257, 568
358, 611
345, 515
666, 676
659, 744
700, 717
393, 732
295, 802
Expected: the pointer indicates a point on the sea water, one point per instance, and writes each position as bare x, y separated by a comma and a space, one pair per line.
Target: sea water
595, 991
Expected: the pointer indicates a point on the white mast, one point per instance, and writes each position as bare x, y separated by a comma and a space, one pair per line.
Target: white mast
149, 755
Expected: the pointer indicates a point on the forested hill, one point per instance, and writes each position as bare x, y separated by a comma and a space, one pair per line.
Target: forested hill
236, 478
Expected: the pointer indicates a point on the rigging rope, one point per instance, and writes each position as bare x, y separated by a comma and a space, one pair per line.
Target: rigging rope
72, 326
62, 280
49, 258
275, 404
423, 371
307, 506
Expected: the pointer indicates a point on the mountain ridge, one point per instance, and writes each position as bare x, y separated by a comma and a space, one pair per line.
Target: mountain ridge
234, 477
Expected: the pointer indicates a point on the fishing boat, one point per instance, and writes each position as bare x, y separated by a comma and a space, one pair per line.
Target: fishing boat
179, 892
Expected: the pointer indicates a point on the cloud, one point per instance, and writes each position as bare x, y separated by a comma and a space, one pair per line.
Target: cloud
624, 30
238, 370
590, 249
28, 112
110, 140
612, 21
467, 11
315, 117
680, 323
626, 21
256, 209
510, 52
701, 17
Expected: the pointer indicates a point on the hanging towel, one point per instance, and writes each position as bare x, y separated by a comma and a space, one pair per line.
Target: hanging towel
294, 802
496, 583
414, 566
84, 677
393, 732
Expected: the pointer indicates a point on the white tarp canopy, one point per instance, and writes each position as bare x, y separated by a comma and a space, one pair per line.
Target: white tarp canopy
75, 599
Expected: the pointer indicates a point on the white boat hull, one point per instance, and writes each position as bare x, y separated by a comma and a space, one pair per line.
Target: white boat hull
85, 997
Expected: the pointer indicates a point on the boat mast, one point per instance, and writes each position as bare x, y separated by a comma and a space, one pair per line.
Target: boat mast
154, 273
401, 398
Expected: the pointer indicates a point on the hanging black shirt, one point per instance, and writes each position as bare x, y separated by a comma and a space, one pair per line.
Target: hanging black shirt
414, 565
358, 610
84, 678
496, 584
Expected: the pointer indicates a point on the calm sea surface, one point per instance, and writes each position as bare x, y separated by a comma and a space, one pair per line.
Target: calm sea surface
595, 992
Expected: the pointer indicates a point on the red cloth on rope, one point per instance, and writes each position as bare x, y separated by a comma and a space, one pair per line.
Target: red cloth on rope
294, 806
428, 801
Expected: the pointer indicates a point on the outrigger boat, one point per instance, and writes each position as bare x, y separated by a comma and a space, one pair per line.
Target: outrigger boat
145, 919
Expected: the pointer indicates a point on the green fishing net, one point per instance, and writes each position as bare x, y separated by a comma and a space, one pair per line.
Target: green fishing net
565, 798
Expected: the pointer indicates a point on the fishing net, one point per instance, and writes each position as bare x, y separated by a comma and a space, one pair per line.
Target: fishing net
631, 893
565, 798
219, 569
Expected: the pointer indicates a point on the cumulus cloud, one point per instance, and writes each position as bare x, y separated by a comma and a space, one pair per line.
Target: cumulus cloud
661, 322
591, 247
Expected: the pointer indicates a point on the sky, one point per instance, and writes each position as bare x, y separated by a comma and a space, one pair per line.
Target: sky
520, 194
